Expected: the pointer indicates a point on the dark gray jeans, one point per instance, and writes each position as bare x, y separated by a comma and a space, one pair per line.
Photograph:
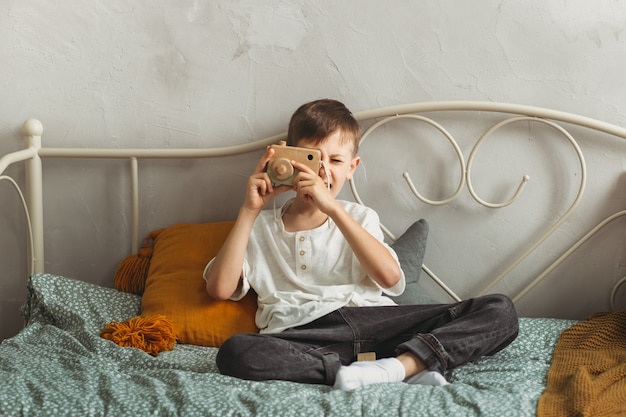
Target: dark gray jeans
443, 336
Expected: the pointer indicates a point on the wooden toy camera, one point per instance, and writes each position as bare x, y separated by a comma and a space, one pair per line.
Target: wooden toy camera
279, 167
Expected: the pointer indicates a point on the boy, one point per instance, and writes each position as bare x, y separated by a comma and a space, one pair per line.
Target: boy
320, 268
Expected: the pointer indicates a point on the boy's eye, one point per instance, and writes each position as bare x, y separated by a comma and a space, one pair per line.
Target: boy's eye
336, 161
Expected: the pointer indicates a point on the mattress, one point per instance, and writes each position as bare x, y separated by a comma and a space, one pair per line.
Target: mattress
59, 365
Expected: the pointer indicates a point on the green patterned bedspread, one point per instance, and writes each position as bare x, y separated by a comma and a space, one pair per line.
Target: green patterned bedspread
58, 365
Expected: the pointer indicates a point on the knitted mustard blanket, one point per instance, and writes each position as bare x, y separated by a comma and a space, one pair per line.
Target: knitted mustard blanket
588, 372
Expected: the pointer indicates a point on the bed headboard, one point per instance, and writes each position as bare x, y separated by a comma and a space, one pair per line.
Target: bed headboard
464, 169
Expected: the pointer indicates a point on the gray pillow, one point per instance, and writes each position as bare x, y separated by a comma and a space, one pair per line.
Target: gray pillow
410, 248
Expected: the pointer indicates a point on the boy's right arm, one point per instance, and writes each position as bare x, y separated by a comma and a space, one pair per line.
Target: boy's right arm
223, 276
225, 271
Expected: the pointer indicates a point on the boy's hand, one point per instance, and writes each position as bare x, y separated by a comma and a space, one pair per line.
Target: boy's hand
260, 190
312, 188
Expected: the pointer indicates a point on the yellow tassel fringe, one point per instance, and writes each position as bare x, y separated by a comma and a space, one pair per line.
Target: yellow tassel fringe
153, 334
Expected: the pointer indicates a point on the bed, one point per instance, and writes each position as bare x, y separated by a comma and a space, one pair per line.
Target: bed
63, 363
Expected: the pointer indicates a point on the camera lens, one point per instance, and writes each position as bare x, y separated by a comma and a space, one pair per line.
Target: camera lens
310, 157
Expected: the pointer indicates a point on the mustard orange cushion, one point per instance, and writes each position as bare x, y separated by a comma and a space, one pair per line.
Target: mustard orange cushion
175, 288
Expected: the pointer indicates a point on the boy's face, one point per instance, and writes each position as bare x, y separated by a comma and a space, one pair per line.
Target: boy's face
339, 161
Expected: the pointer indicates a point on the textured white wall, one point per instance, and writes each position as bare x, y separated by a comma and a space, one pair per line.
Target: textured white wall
183, 73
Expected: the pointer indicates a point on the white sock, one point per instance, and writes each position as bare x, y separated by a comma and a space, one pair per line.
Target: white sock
427, 378
360, 374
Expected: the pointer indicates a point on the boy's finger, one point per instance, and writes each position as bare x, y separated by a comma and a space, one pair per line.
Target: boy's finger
301, 167
262, 164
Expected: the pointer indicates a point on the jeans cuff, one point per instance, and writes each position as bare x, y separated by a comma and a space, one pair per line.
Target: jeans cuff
332, 363
428, 349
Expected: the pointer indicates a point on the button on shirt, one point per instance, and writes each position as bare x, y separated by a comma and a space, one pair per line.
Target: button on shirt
302, 276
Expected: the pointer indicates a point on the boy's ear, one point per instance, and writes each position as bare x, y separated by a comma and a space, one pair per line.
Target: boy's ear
356, 161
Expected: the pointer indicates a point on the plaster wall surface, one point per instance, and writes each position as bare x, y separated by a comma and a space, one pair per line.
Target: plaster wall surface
187, 73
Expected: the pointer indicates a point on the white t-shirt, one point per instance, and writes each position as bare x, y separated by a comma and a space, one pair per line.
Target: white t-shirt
301, 276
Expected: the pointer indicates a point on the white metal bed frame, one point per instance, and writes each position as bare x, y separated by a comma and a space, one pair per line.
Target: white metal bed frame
34, 152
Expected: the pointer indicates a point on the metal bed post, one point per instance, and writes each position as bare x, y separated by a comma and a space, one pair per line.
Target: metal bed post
32, 130
134, 191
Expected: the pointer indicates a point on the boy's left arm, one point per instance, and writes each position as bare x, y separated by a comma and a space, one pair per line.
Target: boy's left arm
374, 256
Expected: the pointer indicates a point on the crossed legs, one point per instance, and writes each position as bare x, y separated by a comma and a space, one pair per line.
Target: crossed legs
424, 338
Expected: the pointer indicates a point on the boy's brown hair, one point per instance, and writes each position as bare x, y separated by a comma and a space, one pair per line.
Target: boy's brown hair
317, 119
